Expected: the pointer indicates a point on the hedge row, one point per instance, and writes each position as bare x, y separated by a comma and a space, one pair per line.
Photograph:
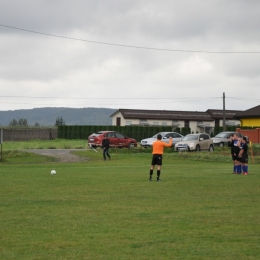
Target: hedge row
218, 129
136, 132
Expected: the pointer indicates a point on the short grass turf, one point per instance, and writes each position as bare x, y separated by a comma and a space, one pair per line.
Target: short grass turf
109, 210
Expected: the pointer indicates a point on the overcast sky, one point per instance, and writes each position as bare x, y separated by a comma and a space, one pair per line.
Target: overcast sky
39, 70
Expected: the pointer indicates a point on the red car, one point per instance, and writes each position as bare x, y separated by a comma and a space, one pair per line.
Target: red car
115, 139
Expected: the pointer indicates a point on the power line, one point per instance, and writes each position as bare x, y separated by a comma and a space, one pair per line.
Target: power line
246, 99
131, 98
103, 104
130, 46
153, 101
91, 98
123, 104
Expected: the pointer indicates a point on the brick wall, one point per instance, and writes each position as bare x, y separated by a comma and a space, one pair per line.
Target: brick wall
253, 134
29, 134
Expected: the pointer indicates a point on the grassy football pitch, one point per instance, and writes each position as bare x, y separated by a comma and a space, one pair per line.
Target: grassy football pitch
109, 210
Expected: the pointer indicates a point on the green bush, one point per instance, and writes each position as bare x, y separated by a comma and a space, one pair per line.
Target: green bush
256, 149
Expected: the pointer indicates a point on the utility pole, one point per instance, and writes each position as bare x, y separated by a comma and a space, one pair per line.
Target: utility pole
1, 143
224, 113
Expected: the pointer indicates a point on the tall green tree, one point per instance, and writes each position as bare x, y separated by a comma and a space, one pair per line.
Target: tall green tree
20, 122
13, 123
59, 121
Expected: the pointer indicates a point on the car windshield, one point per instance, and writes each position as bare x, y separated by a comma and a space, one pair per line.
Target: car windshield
190, 137
221, 135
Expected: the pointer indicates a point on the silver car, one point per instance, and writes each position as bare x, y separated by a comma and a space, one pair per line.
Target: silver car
176, 137
221, 139
195, 142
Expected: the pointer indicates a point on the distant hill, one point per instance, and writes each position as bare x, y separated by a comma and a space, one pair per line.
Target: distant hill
47, 116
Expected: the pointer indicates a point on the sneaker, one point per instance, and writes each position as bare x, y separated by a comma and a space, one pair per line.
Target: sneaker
150, 179
245, 173
158, 179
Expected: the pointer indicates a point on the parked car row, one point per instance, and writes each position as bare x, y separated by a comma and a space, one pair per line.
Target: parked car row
190, 142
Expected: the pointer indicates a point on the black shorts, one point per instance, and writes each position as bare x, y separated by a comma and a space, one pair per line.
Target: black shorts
157, 159
233, 157
244, 158
238, 158
236, 153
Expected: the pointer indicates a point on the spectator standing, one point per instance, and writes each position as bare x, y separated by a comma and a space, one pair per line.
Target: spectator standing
105, 147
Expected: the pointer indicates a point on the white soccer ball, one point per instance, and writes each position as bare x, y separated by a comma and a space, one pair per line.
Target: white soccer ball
53, 172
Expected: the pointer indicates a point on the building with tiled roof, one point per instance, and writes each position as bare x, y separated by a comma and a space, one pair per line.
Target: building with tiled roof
250, 117
197, 121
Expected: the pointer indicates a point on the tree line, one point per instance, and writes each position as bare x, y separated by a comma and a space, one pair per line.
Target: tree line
23, 122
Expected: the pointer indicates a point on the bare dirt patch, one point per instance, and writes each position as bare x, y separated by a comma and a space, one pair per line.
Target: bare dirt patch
61, 155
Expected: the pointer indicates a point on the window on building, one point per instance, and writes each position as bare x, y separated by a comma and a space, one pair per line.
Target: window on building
143, 122
216, 122
128, 122
155, 123
186, 123
118, 121
164, 123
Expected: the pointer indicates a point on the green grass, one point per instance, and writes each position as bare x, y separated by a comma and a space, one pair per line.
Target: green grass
109, 210
219, 155
48, 144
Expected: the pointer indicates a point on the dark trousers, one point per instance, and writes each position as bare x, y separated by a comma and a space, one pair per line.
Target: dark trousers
105, 152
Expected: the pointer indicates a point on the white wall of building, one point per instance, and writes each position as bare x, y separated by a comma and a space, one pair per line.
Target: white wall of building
180, 123
230, 122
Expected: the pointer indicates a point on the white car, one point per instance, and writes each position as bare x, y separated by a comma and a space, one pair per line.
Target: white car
176, 137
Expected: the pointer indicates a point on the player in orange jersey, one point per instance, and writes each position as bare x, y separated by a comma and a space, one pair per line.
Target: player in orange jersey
158, 148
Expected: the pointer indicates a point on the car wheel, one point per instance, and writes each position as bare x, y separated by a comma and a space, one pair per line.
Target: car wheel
197, 148
211, 148
221, 144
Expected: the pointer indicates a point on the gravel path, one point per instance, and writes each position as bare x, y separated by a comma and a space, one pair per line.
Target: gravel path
62, 155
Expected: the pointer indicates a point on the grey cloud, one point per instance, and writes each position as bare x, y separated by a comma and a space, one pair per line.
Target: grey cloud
42, 64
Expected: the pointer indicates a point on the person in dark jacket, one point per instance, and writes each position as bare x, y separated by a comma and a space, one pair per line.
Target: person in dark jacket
244, 155
105, 147
231, 145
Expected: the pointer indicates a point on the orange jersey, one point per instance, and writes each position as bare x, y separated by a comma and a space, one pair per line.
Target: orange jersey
158, 146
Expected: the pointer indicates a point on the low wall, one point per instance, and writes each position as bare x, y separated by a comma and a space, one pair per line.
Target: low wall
253, 134
29, 134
